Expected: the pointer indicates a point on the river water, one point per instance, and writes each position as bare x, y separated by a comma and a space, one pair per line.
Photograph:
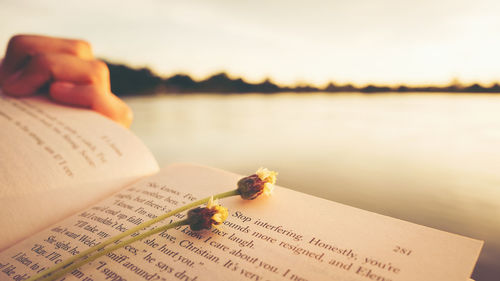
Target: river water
432, 159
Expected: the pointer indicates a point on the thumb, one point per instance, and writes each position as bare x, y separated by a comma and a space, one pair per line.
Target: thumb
90, 96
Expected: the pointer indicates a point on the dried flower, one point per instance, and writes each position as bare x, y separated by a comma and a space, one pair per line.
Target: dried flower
254, 185
203, 218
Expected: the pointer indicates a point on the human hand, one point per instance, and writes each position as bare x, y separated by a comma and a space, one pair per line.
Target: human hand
69, 69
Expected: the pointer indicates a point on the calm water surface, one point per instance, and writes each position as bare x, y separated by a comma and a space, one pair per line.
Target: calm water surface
432, 159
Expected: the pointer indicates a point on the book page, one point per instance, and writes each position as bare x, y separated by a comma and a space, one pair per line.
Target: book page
288, 236
58, 159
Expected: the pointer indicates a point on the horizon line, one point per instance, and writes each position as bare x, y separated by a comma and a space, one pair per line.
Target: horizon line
454, 82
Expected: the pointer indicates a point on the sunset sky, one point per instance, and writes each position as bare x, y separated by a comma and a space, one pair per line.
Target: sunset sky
359, 41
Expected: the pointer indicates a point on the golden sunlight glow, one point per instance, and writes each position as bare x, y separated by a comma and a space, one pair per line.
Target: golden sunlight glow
359, 41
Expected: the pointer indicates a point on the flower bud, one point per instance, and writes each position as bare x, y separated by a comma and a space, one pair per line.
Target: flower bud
203, 218
254, 185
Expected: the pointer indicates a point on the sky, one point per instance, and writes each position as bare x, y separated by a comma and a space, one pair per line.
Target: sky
290, 42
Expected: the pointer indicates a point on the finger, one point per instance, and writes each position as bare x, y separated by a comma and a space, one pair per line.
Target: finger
114, 108
91, 96
43, 68
21, 47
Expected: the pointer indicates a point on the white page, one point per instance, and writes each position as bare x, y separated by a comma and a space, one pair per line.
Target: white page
289, 236
55, 160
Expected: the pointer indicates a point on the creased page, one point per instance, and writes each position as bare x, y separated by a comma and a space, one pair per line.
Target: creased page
288, 236
56, 160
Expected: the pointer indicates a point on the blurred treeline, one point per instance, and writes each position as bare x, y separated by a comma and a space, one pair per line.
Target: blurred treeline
139, 81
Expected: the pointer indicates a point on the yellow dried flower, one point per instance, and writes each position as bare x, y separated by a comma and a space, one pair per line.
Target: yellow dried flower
254, 185
269, 178
203, 218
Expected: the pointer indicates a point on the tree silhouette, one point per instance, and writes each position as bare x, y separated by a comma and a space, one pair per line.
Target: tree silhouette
136, 81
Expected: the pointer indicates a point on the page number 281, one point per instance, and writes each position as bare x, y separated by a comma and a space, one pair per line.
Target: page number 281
401, 250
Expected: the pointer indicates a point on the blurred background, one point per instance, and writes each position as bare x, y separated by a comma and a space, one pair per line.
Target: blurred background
389, 106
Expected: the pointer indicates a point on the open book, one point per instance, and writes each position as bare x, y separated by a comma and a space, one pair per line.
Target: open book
70, 178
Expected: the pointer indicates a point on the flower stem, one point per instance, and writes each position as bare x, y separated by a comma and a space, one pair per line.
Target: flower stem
131, 231
61, 273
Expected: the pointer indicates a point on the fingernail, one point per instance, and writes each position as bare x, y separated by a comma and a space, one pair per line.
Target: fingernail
62, 86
